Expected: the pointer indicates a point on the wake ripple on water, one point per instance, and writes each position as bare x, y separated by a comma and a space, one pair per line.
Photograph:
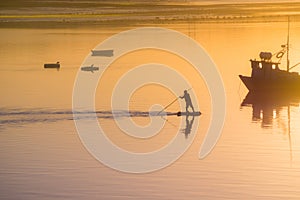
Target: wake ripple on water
29, 116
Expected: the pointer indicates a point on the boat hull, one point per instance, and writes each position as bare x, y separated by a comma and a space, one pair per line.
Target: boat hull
105, 53
259, 85
188, 113
52, 65
89, 69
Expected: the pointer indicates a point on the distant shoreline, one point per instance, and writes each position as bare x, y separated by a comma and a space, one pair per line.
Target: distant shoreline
62, 23
42, 15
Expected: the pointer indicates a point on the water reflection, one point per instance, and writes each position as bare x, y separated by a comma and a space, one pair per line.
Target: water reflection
189, 120
271, 107
30, 116
266, 107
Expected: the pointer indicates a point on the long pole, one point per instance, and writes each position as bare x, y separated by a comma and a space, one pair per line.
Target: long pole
170, 104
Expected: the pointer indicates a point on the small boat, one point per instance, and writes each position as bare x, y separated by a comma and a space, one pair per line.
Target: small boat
52, 65
90, 68
267, 76
105, 53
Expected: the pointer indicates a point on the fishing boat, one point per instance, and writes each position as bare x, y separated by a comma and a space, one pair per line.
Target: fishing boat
52, 65
266, 73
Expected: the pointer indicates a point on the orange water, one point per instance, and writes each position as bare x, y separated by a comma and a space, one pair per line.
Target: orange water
42, 156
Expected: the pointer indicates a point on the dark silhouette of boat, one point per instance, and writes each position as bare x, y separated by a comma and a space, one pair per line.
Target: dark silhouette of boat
188, 113
52, 65
105, 53
267, 76
90, 68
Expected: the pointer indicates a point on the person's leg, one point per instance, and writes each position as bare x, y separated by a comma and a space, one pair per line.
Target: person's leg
192, 108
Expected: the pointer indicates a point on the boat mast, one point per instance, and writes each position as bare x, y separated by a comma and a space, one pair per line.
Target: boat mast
288, 47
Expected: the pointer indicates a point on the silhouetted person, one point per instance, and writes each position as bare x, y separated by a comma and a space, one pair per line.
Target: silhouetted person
188, 101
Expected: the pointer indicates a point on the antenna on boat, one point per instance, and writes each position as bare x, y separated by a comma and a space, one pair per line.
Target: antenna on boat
288, 46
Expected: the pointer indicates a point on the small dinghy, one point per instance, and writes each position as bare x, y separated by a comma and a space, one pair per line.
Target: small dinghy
52, 65
105, 53
90, 68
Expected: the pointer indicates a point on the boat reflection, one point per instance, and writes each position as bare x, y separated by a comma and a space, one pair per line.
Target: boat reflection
269, 106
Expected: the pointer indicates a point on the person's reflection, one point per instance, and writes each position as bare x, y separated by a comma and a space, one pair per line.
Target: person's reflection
188, 125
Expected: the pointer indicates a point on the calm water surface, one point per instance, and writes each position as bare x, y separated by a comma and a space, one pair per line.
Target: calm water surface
42, 157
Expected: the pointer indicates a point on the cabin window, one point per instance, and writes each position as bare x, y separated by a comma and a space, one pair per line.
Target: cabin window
260, 65
273, 66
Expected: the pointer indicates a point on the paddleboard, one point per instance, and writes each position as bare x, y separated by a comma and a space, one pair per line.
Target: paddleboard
188, 113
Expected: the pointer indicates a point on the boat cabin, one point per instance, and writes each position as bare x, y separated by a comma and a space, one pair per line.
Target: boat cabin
266, 69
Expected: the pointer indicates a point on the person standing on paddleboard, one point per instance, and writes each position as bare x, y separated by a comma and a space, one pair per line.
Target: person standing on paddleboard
188, 101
